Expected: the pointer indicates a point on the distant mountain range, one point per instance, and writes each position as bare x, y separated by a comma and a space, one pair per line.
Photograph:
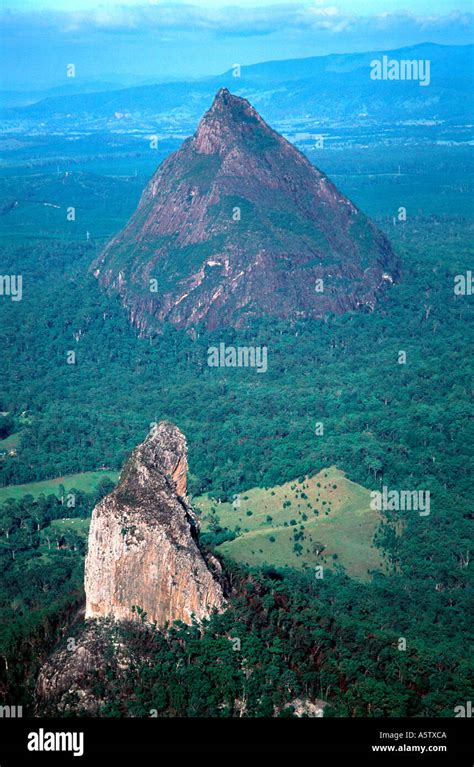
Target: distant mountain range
328, 90
238, 224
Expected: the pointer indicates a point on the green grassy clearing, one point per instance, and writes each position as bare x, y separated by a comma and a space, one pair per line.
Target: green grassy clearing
273, 532
86, 481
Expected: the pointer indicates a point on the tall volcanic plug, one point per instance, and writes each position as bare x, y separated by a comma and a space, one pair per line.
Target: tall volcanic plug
239, 224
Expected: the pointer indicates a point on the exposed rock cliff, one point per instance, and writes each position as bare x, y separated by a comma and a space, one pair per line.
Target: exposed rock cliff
237, 224
142, 554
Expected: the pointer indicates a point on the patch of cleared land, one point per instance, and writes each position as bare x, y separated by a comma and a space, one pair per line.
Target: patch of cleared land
11, 442
320, 521
77, 525
87, 481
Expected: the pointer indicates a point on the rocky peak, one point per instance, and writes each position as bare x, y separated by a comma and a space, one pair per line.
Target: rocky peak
238, 224
225, 101
143, 556
164, 450
228, 119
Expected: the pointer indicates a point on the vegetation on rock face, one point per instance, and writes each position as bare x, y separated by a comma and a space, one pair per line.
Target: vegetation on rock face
237, 224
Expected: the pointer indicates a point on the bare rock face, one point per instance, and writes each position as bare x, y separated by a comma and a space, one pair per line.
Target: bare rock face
238, 224
143, 555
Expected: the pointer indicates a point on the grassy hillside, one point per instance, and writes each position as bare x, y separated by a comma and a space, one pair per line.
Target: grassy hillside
323, 520
10, 443
86, 481
67, 525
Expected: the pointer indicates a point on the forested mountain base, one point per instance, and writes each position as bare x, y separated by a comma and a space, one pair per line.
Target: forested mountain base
287, 637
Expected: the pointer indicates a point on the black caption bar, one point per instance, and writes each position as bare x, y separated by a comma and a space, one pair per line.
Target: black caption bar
379, 741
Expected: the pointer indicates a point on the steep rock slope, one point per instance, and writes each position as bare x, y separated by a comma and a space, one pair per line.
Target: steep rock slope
143, 550
238, 224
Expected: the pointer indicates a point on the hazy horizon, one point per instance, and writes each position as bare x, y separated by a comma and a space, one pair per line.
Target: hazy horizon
139, 41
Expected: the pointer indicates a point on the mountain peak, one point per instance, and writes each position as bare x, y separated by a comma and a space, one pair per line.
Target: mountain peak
164, 449
227, 103
225, 97
238, 224
229, 118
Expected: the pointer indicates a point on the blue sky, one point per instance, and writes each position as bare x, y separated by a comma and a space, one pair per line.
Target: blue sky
355, 6
181, 39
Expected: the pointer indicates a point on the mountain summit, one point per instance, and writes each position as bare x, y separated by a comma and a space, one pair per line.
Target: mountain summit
229, 120
238, 224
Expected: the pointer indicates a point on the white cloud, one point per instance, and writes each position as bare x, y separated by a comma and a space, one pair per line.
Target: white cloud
321, 10
229, 19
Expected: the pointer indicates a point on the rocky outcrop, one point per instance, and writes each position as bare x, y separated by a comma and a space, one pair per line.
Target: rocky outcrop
66, 680
304, 707
143, 558
238, 224
80, 675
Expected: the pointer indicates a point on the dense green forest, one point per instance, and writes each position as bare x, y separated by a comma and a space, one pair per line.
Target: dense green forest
403, 425
299, 638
